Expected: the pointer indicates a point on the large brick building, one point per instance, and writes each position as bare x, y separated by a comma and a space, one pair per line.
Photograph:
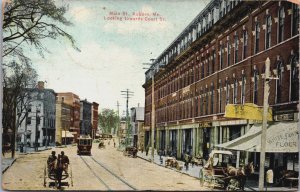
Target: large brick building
219, 59
72, 100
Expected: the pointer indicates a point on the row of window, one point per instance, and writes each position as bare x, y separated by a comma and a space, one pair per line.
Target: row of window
235, 92
206, 65
205, 21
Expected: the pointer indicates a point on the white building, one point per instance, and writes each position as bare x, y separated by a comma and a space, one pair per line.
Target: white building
39, 118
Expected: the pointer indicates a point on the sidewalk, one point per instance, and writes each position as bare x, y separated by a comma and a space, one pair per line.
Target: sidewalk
7, 162
251, 185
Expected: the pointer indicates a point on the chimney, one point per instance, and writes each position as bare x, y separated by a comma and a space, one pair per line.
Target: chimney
41, 85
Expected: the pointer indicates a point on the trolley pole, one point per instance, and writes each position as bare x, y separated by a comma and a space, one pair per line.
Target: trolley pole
264, 127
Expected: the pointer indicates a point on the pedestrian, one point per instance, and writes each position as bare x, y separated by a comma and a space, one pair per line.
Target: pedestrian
51, 162
65, 161
147, 150
114, 144
142, 148
186, 161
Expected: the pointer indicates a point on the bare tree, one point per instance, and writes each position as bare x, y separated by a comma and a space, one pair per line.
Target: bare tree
17, 78
31, 21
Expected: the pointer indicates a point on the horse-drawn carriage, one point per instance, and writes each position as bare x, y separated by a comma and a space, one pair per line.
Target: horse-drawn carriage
130, 151
56, 172
218, 173
101, 145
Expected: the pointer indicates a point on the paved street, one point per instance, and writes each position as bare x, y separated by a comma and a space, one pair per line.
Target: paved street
28, 170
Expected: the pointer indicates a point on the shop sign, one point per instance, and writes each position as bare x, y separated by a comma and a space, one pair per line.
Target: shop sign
285, 117
205, 124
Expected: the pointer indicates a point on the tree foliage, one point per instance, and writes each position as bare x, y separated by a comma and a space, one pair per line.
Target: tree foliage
108, 119
17, 78
31, 21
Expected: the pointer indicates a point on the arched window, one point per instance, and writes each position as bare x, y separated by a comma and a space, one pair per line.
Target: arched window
295, 19
213, 61
221, 56
294, 78
281, 24
243, 89
255, 86
206, 101
279, 70
268, 31
236, 48
245, 43
235, 91
227, 91
228, 52
212, 98
220, 96
257, 30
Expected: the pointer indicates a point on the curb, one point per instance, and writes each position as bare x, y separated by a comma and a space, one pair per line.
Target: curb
169, 168
9, 165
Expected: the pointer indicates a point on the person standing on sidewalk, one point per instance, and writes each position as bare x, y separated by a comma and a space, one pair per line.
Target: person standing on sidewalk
186, 161
147, 149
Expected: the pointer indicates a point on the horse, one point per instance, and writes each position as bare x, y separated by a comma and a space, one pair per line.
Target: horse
240, 173
59, 170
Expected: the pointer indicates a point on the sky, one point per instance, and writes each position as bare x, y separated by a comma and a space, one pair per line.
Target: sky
112, 50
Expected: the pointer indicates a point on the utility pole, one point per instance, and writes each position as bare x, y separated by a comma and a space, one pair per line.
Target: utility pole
264, 127
127, 95
153, 106
118, 123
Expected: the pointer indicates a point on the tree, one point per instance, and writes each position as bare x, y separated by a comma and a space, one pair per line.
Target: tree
31, 21
17, 78
108, 119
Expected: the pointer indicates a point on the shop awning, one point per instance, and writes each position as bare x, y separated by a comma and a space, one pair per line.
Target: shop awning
67, 134
281, 138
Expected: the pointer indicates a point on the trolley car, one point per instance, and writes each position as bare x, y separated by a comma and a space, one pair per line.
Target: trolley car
84, 145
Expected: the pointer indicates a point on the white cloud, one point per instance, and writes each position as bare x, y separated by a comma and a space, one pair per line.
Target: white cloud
81, 14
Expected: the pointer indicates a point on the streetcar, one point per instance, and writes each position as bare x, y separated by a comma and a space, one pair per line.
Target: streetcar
84, 145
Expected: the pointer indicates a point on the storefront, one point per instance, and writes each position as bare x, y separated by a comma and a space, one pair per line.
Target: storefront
281, 145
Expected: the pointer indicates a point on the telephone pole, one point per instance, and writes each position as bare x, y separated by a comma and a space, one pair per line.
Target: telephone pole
118, 123
264, 127
127, 95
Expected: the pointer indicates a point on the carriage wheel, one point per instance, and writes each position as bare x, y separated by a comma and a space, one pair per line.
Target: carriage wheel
45, 175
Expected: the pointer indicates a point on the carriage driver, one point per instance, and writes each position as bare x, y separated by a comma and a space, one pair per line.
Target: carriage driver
51, 161
65, 161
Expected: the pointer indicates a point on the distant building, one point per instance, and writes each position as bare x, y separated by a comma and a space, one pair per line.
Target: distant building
63, 120
85, 117
137, 122
72, 100
39, 124
94, 119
